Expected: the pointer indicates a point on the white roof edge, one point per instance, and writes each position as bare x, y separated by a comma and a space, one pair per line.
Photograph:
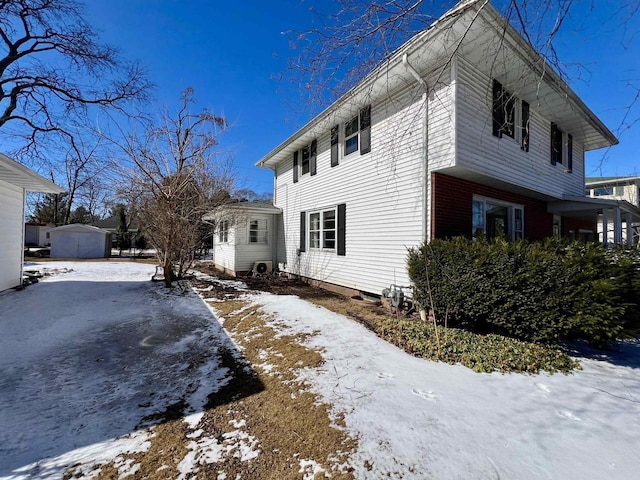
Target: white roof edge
80, 225
395, 57
554, 77
17, 174
616, 180
611, 202
421, 38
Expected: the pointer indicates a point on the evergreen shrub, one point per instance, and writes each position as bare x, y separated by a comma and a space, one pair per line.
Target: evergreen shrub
549, 292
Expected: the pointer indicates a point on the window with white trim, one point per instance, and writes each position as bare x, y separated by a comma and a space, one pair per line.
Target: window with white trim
322, 229
510, 116
357, 133
306, 156
258, 230
496, 218
223, 231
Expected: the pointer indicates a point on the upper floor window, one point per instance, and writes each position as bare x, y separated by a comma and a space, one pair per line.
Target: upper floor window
509, 113
258, 231
611, 190
357, 133
351, 129
223, 231
305, 160
561, 147
306, 155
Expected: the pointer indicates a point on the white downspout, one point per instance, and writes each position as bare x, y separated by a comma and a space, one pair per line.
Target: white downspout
425, 137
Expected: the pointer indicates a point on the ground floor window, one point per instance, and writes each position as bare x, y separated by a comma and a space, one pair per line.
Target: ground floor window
322, 229
223, 231
495, 218
258, 231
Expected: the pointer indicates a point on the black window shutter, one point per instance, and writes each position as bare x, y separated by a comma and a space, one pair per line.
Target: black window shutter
524, 144
303, 231
498, 111
313, 157
342, 217
334, 145
295, 166
569, 153
554, 152
365, 130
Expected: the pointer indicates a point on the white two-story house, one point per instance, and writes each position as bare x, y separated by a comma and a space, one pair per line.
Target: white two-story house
465, 130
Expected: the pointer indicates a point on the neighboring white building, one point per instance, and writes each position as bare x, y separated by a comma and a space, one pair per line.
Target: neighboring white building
622, 192
37, 234
80, 241
15, 181
464, 130
245, 235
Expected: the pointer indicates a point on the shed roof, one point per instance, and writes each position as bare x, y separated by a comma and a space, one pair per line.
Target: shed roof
16, 174
80, 226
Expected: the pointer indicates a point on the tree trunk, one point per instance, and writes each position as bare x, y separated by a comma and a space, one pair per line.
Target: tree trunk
168, 272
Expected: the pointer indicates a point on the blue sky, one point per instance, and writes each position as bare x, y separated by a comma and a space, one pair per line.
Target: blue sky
230, 53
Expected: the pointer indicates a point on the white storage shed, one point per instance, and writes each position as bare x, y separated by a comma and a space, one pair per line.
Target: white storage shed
79, 241
15, 181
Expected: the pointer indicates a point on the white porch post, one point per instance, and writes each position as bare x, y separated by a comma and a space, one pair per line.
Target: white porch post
605, 227
629, 229
617, 226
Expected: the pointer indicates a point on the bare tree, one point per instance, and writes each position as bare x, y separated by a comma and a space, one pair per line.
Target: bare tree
53, 68
346, 44
175, 175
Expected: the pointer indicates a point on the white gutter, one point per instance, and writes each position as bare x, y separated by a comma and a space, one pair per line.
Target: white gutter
425, 145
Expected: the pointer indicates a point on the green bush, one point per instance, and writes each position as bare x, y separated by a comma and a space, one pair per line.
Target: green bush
548, 292
482, 353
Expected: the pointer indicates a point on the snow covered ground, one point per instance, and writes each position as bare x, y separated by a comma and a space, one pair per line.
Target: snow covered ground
419, 419
84, 355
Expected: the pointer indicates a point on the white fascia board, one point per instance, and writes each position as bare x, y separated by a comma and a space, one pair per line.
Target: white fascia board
16, 174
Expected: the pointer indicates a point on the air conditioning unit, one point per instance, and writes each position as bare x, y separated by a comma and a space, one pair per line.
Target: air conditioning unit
262, 267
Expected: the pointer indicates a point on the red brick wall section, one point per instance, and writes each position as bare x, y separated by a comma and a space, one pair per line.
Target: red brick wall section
452, 205
575, 225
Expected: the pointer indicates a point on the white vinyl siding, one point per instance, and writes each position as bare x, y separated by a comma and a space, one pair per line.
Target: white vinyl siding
384, 214
239, 253
502, 159
11, 235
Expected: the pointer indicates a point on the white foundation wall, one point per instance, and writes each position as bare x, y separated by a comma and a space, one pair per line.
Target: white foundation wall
383, 193
11, 235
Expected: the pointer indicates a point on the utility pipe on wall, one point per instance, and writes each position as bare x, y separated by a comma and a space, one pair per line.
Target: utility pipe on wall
425, 146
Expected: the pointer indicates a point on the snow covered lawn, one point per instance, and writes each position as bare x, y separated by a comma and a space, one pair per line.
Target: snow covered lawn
89, 359
420, 419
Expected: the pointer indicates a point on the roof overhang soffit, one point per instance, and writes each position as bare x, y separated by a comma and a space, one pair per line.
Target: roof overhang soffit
14, 173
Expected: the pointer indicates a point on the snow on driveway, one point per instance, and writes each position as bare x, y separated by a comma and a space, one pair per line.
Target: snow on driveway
420, 419
87, 355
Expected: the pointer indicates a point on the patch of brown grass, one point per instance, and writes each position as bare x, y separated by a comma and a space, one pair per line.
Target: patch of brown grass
289, 422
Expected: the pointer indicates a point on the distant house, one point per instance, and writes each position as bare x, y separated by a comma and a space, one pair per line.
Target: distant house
15, 181
80, 241
464, 131
623, 194
37, 234
246, 237
111, 224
